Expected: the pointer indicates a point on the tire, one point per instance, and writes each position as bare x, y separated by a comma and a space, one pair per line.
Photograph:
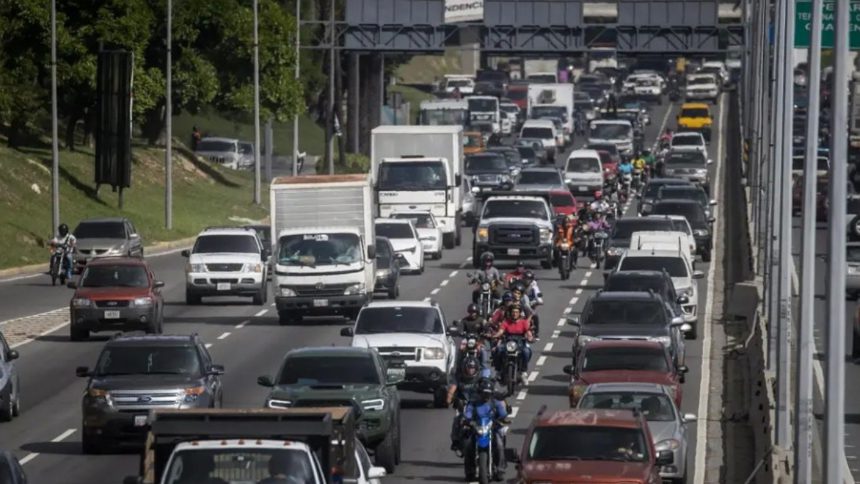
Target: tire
7, 411
440, 398
484, 467
53, 281
512, 379
694, 333
16, 406
855, 346
449, 240
394, 292
90, 445
706, 255
79, 334
386, 455
260, 297
191, 299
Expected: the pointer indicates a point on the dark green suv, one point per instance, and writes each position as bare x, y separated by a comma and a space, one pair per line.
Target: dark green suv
338, 376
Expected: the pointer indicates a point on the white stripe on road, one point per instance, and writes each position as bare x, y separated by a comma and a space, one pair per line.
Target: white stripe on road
522, 395
444, 283
427, 299
548, 347
208, 345
435, 291
573, 300
224, 335
43, 333
242, 324
514, 411
541, 361
27, 458
556, 334
587, 275
533, 376
261, 312
579, 291
453, 273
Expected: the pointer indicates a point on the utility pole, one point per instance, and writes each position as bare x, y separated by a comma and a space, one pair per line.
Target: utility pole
55, 146
331, 74
834, 400
256, 106
168, 118
803, 395
296, 116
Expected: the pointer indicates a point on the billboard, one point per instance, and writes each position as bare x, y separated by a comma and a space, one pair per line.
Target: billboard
463, 11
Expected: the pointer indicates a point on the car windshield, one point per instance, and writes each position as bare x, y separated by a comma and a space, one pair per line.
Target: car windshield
675, 266
853, 253
583, 165
656, 407
398, 320
443, 117
313, 250
700, 80
695, 113
317, 370
685, 140
684, 193
216, 146
610, 131
515, 209
208, 244
486, 163
459, 83
482, 105
419, 220
148, 360
115, 276
415, 175
561, 199
538, 133
587, 442
653, 188
100, 230
634, 283
686, 158
527, 152
542, 78
625, 358
237, 465
539, 178
692, 211
394, 231
548, 111
646, 313
625, 227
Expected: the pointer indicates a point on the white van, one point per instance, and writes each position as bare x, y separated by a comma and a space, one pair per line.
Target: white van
544, 130
583, 173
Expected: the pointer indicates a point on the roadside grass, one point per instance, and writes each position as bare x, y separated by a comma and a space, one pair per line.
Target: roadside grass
203, 195
311, 136
424, 69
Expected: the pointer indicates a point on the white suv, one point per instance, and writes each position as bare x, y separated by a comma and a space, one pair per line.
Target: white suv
414, 332
681, 271
227, 261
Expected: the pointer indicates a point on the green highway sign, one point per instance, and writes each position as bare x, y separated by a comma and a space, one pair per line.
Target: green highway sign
803, 24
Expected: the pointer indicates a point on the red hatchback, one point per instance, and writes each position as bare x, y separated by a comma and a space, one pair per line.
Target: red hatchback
563, 202
622, 361
116, 293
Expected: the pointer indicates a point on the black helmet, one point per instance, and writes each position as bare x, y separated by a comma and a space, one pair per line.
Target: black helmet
507, 296
472, 309
518, 286
470, 368
521, 263
529, 276
486, 388
63, 229
487, 257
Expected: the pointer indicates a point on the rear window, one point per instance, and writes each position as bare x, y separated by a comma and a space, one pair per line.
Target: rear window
656, 407
694, 213
561, 200
583, 165
675, 266
645, 313
695, 113
539, 133
115, 276
623, 283
540, 178
687, 141
398, 320
576, 443
624, 228
685, 193
625, 358
395, 231
653, 188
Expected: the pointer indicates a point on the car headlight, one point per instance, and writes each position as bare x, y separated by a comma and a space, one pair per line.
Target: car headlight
701, 171
568, 180
579, 389
381, 273
584, 340
142, 302
428, 238
664, 340
252, 268
646, 207
287, 292
355, 289
116, 250
99, 396
686, 292
483, 234
193, 393
195, 267
485, 286
700, 232
433, 353
668, 444
81, 302
545, 235
511, 346
614, 251
275, 403
375, 404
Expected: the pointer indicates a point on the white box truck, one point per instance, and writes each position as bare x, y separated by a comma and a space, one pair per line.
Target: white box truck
552, 100
323, 245
420, 168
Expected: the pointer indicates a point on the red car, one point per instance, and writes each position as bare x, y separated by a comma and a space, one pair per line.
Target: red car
563, 202
519, 95
610, 164
620, 361
116, 293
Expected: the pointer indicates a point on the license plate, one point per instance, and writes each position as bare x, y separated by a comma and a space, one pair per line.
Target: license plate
320, 303
513, 251
139, 420
223, 286
582, 189
111, 314
397, 372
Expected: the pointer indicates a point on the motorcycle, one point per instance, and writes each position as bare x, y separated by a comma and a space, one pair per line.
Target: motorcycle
511, 367
480, 456
626, 182
564, 261
598, 242
637, 179
59, 265
485, 297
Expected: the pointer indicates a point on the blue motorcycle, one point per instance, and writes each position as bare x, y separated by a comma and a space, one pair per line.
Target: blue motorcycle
478, 454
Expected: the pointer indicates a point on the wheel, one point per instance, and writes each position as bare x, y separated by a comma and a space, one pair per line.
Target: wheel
53, 281
484, 467
386, 455
512, 379
394, 292
90, 444
7, 411
440, 398
448, 240
458, 237
855, 346
706, 255
191, 299
693, 333
77, 334
16, 407
260, 297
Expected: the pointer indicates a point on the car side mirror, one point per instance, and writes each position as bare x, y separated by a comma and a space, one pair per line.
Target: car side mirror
376, 473
677, 321
713, 202
371, 251
265, 381
686, 328
12, 355
573, 321
698, 274
216, 370
712, 220
349, 332
454, 329
132, 480
683, 300
158, 284
186, 253
689, 417
72, 285
665, 458
511, 455
82, 371
710, 162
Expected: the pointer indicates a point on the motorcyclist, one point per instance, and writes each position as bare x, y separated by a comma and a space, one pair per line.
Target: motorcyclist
515, 274
66, 241
535, 297
473, 323
518, 291
517, 325
650, 161
563, 232
500, 312
665, 139
488, 406
598, 223
599, 205
488, 273
462, 391
639, 162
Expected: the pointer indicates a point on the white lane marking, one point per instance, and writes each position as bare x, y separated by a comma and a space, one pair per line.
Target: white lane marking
583, 282
573, 300
562, 321
443, 283
427, 299
242, 324
522, 395
548, 347
453, 273
273, 304
435, 291
579, 291
587, 275
224, 335
567, 310
27, 458
556, 334
533, 376
208, 345
261, 312
705, 383
514, 411
541, 360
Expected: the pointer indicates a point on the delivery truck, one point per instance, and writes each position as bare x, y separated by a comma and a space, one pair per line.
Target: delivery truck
552, 100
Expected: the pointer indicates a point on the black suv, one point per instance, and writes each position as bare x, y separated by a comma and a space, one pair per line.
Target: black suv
338, 377
700, 222
623, 230
658, 282
682, 192
489, 171
629, 315
135, 374
649, 194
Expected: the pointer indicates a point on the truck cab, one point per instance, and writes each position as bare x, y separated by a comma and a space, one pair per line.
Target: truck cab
485, 110
515, 227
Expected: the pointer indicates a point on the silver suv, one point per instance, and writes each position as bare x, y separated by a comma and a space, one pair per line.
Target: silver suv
105, 237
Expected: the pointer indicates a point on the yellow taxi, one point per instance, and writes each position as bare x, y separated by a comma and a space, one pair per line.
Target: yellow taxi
696, 117
473, 142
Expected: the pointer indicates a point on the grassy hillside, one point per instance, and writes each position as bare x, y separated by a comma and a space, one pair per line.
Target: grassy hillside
424, 69
203, 195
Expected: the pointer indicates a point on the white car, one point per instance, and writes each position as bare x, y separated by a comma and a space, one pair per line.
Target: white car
718, 68
222, 151
414, 332
681, 271
616, 131
226, 262
688, 141
507, 124
583, 173
429, 231
464, 83
702, 87
405, 240
681, 224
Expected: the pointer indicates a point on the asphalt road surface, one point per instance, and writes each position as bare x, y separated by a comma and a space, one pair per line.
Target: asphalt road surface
249, 342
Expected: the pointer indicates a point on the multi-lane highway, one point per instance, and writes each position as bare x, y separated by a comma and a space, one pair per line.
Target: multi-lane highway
249, 342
